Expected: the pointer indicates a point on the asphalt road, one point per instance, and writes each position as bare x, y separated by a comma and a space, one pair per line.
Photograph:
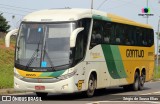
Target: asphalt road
114, 95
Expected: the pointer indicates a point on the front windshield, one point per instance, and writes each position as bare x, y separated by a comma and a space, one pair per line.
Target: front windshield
44, 45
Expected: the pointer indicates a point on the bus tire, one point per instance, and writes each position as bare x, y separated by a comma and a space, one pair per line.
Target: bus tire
135, 85
91, 86
41, 94
141, 82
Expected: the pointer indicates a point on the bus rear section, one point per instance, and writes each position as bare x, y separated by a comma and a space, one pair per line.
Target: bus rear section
127, 50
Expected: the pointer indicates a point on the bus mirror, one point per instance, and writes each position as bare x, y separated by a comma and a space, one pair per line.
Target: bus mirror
74, 36
7, 38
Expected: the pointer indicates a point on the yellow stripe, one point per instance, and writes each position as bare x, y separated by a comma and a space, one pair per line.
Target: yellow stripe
119, 19
30, 74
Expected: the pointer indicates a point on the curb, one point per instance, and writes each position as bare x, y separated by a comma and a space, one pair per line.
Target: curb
6, 91
156, 79
10, 91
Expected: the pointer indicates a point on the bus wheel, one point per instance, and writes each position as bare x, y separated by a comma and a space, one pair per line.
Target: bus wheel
135, 85
141, 82
41, 94
91, 86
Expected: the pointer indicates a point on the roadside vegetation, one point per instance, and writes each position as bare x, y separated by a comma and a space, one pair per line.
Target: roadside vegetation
6, 64
6, 56
157, 73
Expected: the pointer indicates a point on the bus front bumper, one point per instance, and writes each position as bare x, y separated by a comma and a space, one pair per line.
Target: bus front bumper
63, 86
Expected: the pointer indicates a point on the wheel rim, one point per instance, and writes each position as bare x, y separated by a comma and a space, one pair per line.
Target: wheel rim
142, 81
91, 86
136, 83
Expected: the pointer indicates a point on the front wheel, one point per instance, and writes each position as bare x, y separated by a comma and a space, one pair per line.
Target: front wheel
91, 86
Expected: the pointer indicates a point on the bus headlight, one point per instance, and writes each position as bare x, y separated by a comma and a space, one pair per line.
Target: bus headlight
62, 77
18, 76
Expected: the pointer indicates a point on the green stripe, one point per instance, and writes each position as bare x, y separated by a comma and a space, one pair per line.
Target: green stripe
99, 17
118, 61
52, 74
114, 61
46, 74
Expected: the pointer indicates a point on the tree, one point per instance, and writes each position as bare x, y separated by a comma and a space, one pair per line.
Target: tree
4, 27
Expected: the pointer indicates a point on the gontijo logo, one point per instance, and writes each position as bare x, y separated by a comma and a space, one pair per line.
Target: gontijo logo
145, 10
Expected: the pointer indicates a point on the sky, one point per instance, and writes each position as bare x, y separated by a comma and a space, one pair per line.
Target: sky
126, 8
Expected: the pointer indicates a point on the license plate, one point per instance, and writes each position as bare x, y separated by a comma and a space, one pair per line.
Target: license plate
39, 87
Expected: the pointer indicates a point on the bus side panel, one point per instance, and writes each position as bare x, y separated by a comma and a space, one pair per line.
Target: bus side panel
137, 58
100, 59
95, 62
116, 65
79, 77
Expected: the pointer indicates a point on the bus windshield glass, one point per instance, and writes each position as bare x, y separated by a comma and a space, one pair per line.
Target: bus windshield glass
41, 45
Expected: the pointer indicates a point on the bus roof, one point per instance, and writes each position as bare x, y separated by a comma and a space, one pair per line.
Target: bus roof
57, 15
53, 15
123, 20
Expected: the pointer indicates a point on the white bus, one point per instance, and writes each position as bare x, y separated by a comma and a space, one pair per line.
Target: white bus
74, 50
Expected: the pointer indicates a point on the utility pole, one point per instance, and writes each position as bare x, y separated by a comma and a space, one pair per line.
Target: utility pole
157, 46
147, 15
91, 4
13, 21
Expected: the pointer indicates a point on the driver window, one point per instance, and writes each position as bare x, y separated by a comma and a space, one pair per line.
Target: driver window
97, 31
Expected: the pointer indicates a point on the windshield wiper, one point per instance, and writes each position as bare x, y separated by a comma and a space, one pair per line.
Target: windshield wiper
61, 66
49, 59
33, 56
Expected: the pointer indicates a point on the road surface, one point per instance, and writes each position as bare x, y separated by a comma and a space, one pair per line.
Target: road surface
114, 95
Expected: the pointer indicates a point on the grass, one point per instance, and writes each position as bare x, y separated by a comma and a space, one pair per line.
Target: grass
157, 73
6, 64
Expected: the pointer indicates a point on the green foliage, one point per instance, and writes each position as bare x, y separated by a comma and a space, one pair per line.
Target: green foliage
6, 65
4, 27
157, 72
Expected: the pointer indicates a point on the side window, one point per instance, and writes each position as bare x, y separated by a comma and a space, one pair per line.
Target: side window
144, 37
118, 37
108, 31
127, 35
105, 32
78, 52
131, 35
79, 49
138, 35
97, 33
150, 37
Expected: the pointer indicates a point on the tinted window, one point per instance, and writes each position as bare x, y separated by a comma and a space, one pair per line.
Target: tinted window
105, 32
97, 33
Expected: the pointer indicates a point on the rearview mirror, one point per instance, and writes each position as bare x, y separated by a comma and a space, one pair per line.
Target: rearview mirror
7, 38
74, 36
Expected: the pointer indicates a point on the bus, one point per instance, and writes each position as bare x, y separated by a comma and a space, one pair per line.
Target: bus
81, 50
